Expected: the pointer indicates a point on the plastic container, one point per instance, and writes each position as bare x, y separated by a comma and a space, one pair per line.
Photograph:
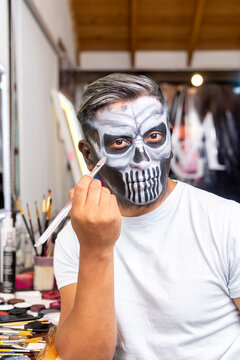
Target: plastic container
6, 228
43, 273
9, 263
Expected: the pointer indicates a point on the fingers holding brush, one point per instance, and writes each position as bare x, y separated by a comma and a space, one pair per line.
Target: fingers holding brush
81, 191
71, 193
95, 225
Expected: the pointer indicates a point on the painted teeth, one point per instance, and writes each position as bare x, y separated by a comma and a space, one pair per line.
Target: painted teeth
142, 186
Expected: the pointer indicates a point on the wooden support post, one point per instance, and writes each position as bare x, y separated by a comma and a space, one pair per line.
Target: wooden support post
133, 25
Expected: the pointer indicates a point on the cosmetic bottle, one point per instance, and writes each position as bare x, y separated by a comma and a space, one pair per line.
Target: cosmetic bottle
7, 227
9, 263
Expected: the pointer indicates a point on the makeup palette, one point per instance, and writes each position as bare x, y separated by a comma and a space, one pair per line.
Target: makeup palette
55, 305
15, 301
17, 311
51, 295
48, 311
23, 305
6, 307
22, 318
37, 307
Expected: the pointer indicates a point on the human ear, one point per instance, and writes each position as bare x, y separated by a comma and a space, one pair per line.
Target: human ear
86, 150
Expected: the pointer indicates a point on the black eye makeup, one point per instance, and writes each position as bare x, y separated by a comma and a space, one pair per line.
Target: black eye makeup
156, 136
116, 144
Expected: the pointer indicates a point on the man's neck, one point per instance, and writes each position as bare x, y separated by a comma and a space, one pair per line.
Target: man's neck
141, 210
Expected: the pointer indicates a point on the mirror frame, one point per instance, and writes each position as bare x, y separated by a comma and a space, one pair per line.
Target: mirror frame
5, 116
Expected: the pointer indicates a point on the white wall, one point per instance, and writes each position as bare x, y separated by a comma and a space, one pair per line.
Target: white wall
41, 153
159, 60
4, 33
56, 15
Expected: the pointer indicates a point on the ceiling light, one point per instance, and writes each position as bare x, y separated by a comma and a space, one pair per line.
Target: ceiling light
236, 89
197, 80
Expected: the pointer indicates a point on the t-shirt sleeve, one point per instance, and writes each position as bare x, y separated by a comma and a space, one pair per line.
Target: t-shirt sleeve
234, 253
66, 257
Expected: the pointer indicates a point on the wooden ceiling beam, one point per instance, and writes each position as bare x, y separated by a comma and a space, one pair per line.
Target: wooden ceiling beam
133, 30
195, 29
175, 77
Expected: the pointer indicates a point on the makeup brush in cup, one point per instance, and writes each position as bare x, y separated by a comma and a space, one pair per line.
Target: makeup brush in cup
48, 232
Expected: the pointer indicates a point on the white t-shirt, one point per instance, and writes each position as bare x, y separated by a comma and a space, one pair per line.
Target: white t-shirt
176, 270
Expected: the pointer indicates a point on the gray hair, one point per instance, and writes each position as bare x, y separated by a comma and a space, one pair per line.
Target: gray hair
111, 89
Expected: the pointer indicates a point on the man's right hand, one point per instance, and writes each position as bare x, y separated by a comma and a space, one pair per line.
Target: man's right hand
87, 328
95, 216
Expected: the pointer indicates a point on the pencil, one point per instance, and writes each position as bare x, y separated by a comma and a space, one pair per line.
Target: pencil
25, 222
30, 221
38, 219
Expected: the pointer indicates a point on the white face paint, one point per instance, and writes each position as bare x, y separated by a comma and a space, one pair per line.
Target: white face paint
135, 138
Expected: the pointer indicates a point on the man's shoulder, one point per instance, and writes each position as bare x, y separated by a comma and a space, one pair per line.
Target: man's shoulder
210, 201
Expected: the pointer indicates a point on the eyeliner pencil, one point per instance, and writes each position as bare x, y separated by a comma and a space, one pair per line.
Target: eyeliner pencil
38, 219
25, 222
30, 221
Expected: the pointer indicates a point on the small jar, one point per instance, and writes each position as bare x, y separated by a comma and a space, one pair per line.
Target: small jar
43, 273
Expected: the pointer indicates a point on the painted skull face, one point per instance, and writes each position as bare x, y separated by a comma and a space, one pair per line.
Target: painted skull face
135, 138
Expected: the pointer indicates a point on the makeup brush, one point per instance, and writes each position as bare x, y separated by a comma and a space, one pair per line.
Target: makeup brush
50, 250
44, 209
51, 243
15, 351
48, 213
46, 224
48, 199
48, 232
13, 338
23, 216
30, 221
48, 208
38, 219
20, 341
25, 222
10, 331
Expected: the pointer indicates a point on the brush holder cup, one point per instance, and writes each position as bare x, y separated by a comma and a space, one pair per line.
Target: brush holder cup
43, 273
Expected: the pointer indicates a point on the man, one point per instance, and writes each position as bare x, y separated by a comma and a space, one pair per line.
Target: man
147, 268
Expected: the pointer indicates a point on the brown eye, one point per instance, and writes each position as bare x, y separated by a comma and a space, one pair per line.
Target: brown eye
119, 144
153, 137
